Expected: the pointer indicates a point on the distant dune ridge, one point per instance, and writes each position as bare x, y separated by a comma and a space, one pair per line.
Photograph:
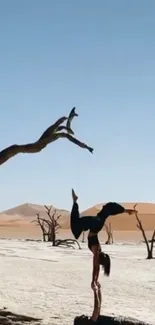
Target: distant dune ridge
25, 213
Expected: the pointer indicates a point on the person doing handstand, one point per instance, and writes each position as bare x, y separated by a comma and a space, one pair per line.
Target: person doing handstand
95, 224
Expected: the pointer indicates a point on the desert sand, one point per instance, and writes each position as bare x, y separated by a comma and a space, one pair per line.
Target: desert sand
54, 283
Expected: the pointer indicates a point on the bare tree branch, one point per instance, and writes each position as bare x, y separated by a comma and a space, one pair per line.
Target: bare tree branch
67, 243
72, 114
143, 232
50, 135
152, 241
52, 129
140, 227
72, 139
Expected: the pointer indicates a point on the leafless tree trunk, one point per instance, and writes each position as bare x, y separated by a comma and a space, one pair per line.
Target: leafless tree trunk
53, 224
53, 133
41, 222
109, 232
149, 247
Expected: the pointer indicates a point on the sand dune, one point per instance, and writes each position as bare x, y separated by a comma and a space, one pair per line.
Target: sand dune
30, 210
25, 213
21, 216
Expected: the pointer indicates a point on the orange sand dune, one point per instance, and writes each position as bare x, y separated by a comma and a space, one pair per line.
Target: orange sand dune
26, 213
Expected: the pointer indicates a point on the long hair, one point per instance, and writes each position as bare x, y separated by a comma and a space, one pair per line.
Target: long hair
104, 260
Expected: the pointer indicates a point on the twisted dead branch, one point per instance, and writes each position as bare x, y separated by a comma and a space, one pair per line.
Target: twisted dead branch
149, 247
67, 243
51, 134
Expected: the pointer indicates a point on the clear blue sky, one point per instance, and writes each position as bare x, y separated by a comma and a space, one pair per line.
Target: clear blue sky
100, 57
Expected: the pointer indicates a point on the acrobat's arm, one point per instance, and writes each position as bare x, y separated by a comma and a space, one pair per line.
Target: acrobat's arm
96, 269
113, 208
97, 307
130, 211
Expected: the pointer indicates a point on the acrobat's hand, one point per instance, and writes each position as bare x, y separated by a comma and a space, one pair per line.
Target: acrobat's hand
131, 211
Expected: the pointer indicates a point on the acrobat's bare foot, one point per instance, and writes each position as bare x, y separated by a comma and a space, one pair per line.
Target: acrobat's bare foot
74, 196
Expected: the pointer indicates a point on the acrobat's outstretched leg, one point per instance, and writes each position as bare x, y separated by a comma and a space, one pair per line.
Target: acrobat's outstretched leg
75, 222
74, 196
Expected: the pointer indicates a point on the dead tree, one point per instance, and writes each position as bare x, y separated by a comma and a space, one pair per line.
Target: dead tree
53, 224
50, 228
109, 234
54, 132
149, 247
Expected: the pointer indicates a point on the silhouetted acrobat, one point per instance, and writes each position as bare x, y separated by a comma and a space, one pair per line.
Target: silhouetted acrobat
94, 224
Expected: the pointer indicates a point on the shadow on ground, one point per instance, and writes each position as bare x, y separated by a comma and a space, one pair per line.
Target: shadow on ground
107, 320
110, 320
9, 318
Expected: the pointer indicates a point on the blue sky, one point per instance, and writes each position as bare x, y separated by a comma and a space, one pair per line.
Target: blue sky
100, 57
